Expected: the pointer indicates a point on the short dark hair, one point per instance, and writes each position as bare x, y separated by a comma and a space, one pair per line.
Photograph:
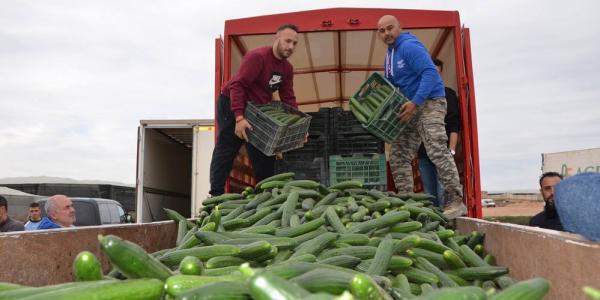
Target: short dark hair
549, 174
34, 204
288, 26
3, 202
438, 63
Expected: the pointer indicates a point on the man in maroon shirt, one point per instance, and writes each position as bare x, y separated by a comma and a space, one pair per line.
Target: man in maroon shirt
262, 72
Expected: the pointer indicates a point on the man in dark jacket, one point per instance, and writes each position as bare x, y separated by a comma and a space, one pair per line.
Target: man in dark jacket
549, 217
6, 223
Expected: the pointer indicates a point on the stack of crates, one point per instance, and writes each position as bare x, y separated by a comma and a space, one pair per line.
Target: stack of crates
355, 153
310, 161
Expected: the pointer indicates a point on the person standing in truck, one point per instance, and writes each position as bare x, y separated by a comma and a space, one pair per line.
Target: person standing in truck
262, 72
429, 175
408, 66
549, 217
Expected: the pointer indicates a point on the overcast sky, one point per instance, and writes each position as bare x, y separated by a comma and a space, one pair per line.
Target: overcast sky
77, 76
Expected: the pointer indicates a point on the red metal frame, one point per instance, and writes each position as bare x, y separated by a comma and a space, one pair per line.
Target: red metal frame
347, 19
474, 210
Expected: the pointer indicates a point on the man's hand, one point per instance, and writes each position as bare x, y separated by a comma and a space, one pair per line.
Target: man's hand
306, 138
279, 156
408, 111
240, 128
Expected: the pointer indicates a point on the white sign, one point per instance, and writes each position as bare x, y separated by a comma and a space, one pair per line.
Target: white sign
570, 163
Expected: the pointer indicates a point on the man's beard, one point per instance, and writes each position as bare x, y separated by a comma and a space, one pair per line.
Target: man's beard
550, 208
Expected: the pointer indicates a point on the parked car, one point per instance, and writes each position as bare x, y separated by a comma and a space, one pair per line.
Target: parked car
95, 211
488, 203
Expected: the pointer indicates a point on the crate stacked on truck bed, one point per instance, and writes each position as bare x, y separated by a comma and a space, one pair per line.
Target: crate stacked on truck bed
348, 136
310, 161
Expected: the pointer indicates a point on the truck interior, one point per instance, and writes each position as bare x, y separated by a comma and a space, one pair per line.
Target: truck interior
338, 49
168, 151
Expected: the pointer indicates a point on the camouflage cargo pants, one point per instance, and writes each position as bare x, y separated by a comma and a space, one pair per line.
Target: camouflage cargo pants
429, 129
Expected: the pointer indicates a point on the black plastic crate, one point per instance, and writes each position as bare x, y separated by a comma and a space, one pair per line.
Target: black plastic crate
319, 124
270, 135
345, 145
316, 169
317, 146
343, 122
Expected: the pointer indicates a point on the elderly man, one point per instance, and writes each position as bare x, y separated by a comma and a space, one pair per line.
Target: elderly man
60, 211
408, 66
6, 223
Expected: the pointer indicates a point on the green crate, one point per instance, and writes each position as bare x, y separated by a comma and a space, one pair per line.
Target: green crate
368, 168
385, 123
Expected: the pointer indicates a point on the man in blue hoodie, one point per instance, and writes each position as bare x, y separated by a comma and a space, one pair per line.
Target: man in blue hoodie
409, 67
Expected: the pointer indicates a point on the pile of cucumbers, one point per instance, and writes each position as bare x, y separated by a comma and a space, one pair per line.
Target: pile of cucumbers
282, 116
298, 239
365, 108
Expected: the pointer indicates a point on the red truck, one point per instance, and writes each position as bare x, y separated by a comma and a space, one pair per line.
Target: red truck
338, 49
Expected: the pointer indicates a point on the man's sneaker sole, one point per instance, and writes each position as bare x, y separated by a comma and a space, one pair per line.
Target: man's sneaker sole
456, 212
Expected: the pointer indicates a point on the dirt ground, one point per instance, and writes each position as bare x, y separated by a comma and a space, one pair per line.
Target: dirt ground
517, 208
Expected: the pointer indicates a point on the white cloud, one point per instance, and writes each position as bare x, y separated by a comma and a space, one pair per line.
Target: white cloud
77, 76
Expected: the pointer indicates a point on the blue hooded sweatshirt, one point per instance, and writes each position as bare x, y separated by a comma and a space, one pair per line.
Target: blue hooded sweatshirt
46, 223
409, 67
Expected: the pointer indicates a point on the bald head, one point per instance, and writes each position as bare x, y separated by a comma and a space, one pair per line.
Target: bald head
60, 210
388, 29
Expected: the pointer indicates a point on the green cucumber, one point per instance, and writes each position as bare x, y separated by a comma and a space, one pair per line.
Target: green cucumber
302, 229
177, 284
386, 220
203, 253
382, 258
86, 267
453, 259
406, 227
222, 290
223, 261
334, 220
177, 217
209, 237
289, 206
362, 252
346, 261
264, 285
324, 280
221, 198
420, 276
349, 184
131, 260
363, 287
307, 257
7, 286
455, 293
146, 288
255, 249
470, 257
532, 289
316, 245
191, 265
481, 273
354, 239
429, 267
